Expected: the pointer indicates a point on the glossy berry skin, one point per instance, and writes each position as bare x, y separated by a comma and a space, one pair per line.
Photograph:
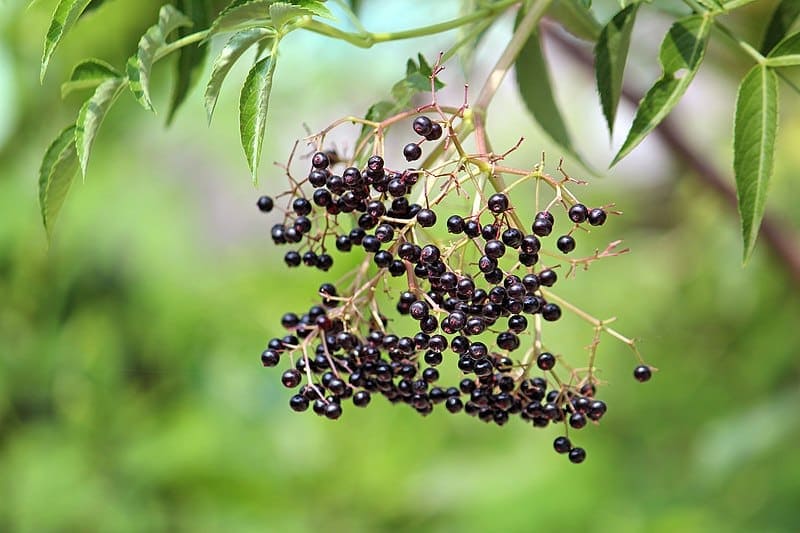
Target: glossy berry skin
546, 361
578, 213
265, 204
577, 455
422, 126
320, 160
455, 224
426, 218
472, 228
497, 203
361, 398
542, 227
562, 445
596, 217
301, 206
298, 403
642, 373
292, 259
548, 277
291, 378
566, 243
333, 411
270, 358
551, 312
436, 132
412, 152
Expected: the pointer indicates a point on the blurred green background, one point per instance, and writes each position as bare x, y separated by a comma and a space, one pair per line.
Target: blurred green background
131, 394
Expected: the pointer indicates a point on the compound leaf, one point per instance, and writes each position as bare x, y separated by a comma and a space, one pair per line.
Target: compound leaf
786, 53
88, 74
784, 16
611, 53
56, 173
154, 39
253, 106
242, 14
91, 116
190, 58
755, 126
64, 17
237, 45
682, 52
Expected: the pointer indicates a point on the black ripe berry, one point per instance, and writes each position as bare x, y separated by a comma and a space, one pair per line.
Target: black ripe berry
422, 126
455, 224
542, 227
551, 312
426, 218
292, 259
412, 151
548, 277
562, 445
270, 358
301, 206
546, 360
265, 204
577, 455
642, 373
298, 403
566, 243
436, 132
498, 203
291, 378
597, 217
578, 213
361, 398
320, 160
333, 411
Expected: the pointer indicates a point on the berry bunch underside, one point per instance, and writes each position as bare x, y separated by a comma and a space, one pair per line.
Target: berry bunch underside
442, 290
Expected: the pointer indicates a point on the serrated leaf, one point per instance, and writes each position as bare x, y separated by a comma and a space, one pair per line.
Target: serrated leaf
282, 13
64, 17
190, 58
155, 38
317, 8
755, 126
88, 74
237, 45
533, 81
783, 18
56, 173
786, 53
241, 14
576, 19
91, 116
253, 107
682, 52
611, 53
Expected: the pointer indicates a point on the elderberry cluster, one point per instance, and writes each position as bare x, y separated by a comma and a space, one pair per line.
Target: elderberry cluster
474, 299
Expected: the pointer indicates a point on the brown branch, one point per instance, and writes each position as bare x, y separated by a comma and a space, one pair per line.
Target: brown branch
780, 239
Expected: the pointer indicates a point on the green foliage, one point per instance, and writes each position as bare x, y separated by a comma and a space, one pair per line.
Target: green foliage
237, 45
91, 116
253, 107
755, 127
784, 17
241, 14
682, 51
88, 74
64, 17
786, 53
611, 53
535, 88
153, 42
58, 169
190, 58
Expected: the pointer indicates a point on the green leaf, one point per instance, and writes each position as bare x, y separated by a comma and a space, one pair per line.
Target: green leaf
755, 126
88, 74
533, 80
140, 64
682, 52
242, 14
253, 106
316, 7
64, 17
190, 58
576, 19
282, 13
237, 45
91, 116
376, 113
611, 53
56, 173
786, 53
784, 16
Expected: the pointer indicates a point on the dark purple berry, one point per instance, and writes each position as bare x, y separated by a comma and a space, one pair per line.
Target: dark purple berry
426, 218
577, 455
562, 445
551, 312
596, 217
566, 243
498, 203
422, 125
265, 204
578, 213
642, 373
436, 132
320, 160
412, 152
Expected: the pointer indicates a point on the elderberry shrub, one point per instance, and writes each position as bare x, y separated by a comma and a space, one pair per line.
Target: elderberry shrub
472, 298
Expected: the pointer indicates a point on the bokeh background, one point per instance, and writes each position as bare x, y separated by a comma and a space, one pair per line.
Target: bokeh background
131, 394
